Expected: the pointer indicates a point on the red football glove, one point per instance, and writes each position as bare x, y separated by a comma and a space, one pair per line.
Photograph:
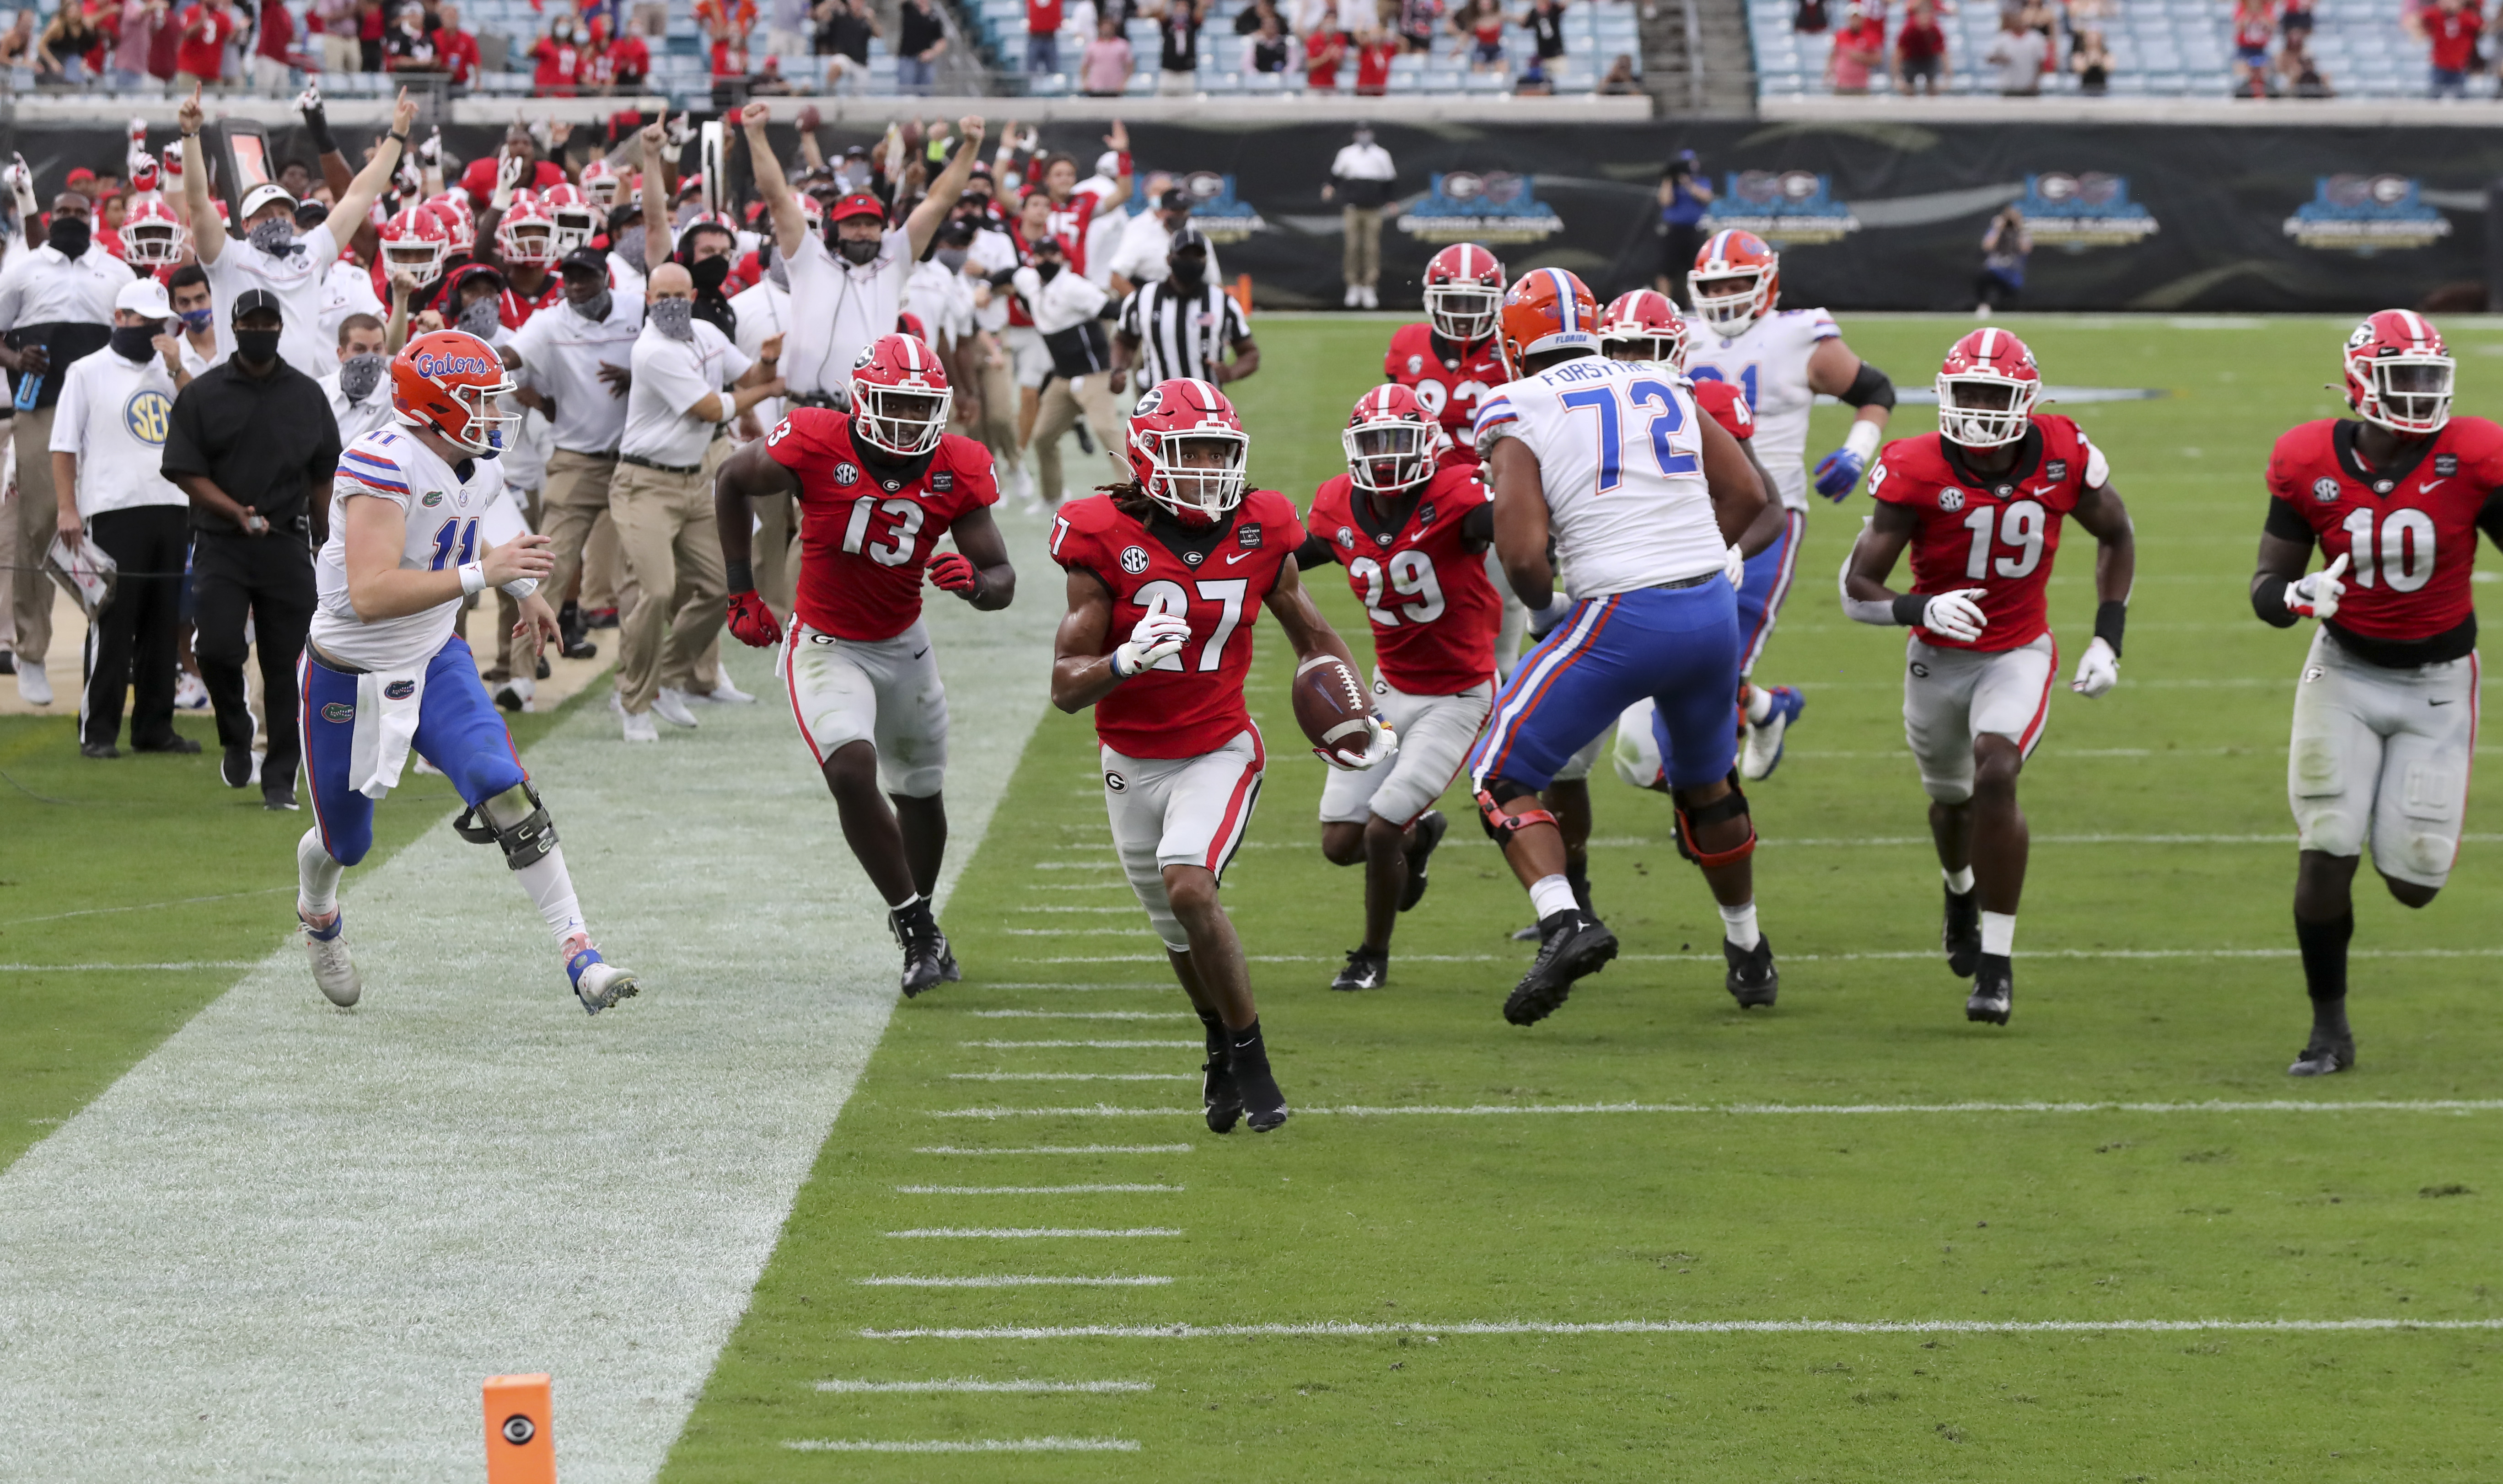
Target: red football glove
752, 621
951, 571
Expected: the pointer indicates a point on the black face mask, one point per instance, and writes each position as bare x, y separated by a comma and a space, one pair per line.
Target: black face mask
135, 342
257, 347
711, 274
1188, 272
859, 251
69, 235
1047, 268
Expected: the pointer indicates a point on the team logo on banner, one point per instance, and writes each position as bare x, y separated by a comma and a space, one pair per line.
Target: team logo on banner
1216, 210
2077, 211
1496, 208
2365, 215
1787, 208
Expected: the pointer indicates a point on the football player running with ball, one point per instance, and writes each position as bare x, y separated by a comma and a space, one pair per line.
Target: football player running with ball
1164, 574
1779, 360
1413, 532
878, 487
1980, 503
1643, 499
423, 522
2386, 714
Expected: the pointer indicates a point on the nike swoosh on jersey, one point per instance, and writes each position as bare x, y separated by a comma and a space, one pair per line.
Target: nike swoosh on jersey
2045, 490
2427, 487
2430, 701
1237, 557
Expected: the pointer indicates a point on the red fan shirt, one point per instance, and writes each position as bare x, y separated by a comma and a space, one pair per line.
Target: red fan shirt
1448, 379
869, 528
1435, 612
2411, 532
1997, 533
1190, 703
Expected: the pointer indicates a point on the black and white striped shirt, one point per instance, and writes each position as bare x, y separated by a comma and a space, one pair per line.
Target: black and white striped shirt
1181, 335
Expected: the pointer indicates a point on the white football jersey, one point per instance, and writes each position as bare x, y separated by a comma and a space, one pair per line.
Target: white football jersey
1769, 365
449, 522
1620, 458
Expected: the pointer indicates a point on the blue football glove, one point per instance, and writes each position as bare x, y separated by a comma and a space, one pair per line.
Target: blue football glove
1839, 473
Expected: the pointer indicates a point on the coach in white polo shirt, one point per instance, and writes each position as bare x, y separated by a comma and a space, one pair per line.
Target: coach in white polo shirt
572, 362
661, 504
271, 254
846, 294
108, 445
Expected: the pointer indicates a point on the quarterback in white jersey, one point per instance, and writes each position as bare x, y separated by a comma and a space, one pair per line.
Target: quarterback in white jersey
1780, 359
423, 522
1643, 498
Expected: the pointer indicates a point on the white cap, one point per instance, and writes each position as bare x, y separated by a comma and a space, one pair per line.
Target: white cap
262, 195
145, 297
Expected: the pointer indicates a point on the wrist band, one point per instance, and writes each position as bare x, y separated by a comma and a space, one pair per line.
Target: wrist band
473, 578
2267, 600
739, 576
1909, 608
399, 139
2109, 620
318, 124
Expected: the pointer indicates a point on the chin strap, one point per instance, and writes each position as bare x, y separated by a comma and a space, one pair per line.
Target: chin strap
1502, 823
1729, 806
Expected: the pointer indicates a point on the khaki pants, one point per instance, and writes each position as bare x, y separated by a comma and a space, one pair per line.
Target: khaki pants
340, 53
997, 426
508, 612
1064, 401
572, 509
672, 551
776, 560
1362, 267
33, 521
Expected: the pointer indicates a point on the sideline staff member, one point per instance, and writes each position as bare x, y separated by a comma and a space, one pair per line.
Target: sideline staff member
251, 444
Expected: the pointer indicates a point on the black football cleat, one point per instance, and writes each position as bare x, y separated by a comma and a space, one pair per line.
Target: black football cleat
1753, 980
1366, 968
1247, 1055
1960, 934
1430, 827
234, 768
1572, 944
926, 958
1218, 1093
2324, 1054
1994, 989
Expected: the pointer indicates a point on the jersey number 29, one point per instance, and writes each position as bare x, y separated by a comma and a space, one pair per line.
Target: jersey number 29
1411, 575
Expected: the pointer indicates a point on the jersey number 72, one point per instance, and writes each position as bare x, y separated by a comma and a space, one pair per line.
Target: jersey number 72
1664, 426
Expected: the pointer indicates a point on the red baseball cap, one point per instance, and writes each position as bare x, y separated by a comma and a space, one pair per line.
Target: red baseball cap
859, 203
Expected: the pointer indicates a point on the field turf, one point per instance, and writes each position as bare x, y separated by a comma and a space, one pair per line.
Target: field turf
1618, 1164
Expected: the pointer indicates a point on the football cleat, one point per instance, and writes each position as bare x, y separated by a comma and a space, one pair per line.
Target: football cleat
927, 963
1247, 1056
1753, 980
1765, 742
2324, 1054
597, 982
334, 970
1366, 969
1994, 988
1430, 827
1960, 935
1573, 943
234, 769
1218, 1093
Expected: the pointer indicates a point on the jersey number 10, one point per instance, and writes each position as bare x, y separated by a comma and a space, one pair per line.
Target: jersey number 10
2406, 548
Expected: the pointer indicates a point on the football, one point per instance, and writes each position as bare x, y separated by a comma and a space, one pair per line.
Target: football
1330, 707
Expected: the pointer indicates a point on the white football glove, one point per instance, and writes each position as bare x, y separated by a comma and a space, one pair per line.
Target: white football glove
1543, 620
1956, 615
1733, 566
309, 101
1158, 635
2316, 595
2098, 669
1381, 745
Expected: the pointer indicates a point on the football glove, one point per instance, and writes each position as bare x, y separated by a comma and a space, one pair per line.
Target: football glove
2098, 669
1544, 620
1158, 636
2316, 597
1956, 615
951, 572
1733, 566
1839, 473
753, 622
1381, 745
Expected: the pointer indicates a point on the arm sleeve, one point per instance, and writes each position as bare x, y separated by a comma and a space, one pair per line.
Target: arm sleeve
1477, 526
1238, 325
2489, 518
2284, 523
1314, 552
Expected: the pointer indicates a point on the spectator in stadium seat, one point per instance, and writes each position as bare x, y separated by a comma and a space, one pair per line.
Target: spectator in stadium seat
369, 35
1482, 23
921, 36
456, 47
1684, 193
1418, 20
2293, 18
2450, 27
1270, 49
786, 27
127, 66
66, 43
558, 54
2021, 54
844, 31
1621, 81
1178, 26
335, 23
2300, 71
274, 53
1106, 69
408, 47
199, 60
1042, 19
1858, 50
1921, 62
1324, 50
1373, 51
2092, 61
630, 61
2253, 26
1545, 22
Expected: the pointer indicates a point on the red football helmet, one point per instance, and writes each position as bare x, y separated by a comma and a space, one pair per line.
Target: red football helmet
416, 242
1547, 309
447, 382
1463, 291
576, 219
151, 236
900, 396
1189, 450
601, 184
526, 233
1391, 443
1643, 326
2399, 373
452, 206
1746, 279
1986, 390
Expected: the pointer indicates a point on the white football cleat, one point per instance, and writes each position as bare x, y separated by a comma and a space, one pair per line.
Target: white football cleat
34, 686
189, 695
671, 706
723, 694
596, 983
1763, 750
334, 971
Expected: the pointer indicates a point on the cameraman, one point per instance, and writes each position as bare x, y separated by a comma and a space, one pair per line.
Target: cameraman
2004, 248
1684, 195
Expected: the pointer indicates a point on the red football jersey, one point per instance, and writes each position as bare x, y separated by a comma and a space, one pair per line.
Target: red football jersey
1434, 614
1725, 405
1190, 703
2412, 533
2000, 535
865, 539
1447, 380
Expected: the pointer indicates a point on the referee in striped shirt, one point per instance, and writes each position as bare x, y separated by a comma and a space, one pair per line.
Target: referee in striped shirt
1183, 325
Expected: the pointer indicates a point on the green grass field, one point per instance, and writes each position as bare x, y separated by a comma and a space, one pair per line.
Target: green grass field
1413, 1280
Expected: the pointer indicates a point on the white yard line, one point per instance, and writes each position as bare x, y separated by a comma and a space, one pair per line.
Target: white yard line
1871, 955
974, 1384
1103, 1015
289, 1243
1013, 1233
1083, 1045
1063, 1148
128, 968
1014, 1280
1031, 1190
2451, 1105
1073, 1076
1701, 1327
967, 1445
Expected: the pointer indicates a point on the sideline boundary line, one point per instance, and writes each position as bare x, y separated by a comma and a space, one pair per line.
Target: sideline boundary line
2451, 1105
1330, 1330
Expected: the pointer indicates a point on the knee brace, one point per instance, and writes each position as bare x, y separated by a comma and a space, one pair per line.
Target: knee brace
525, 843
1500, 823
1730, 807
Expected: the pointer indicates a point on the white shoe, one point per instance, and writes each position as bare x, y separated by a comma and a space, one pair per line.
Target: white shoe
639, 726
515, 695
334, 972
1982, 311
417, 760
1023, 487
671, 706
1372, 300
34, 686
188, 693
1354, 293
723, 694
596, 983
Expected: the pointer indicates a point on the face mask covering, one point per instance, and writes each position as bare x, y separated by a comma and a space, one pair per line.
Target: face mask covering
257, 346
275, 237
132, 342
780, 273
597, 309
1188, 272
69, 235
859, 251
711, 274
628, 244
1047, 268
951, 259
674, 317
480, 318
360, 375
197, 319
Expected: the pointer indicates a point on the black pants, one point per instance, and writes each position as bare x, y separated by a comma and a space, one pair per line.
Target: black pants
1678, 246
270, 579
132, 642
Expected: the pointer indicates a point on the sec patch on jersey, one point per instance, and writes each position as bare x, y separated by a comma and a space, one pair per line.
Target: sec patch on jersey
1331, 709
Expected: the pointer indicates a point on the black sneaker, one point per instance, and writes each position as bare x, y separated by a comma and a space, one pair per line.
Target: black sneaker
178, 746
1572, 944
1960, 934
926, 958
99, 750
279, 796
1218, 1093
235, 767
1430, 827
1085, 441
1994, 988
542, 671
1366, 969
1263, 1104
2324, 1054
507, 698
8, 662
1753, 980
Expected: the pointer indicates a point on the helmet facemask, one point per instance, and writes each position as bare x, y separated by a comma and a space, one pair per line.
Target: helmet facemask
1199, 472
2409, 392
1462, 313
532, 240
1391, 456
906, 422
1650, 350
1730, 299
1983, 411
152, 244
417, 256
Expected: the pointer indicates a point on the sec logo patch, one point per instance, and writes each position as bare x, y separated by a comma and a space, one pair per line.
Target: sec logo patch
1416, 363
147, 413
1134, 559
2057, 468
846, 474
2324, 490
1951, 499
